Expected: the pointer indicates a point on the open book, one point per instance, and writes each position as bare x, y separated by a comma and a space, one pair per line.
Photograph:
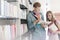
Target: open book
52, 26
41, 21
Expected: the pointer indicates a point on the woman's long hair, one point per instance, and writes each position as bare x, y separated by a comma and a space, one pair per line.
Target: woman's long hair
52, 19
47, 19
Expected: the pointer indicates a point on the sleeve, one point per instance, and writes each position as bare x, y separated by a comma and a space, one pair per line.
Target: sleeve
42, 16
30, 21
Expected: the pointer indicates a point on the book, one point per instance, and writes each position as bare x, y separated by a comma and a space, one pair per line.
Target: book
13, 31
1, 33
7, 32
6, 8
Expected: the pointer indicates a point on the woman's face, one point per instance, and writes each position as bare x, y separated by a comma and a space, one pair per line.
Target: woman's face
50, 16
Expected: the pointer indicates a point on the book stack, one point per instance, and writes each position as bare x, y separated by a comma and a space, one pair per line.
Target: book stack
7, 32
0, 7
13, 31
1, 33
6, 8
10, 10
23, 14
15, 12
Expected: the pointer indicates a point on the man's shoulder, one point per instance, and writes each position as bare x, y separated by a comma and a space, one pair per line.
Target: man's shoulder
30, 13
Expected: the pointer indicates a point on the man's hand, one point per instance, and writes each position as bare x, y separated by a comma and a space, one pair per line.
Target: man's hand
43, 25
38, 17
36, 21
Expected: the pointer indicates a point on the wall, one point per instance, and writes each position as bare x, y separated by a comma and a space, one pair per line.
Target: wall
55, 5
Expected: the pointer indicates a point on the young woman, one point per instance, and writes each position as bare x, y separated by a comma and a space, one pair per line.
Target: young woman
52, 26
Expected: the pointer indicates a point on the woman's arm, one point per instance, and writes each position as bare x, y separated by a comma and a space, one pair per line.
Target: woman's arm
57, 24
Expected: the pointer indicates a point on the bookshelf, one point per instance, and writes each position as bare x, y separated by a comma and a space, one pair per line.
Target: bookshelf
11, 0
9, 23
8, 18
12, 16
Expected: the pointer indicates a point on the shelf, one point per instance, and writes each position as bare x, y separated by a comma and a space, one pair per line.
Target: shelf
8, 18
23, 7
11, 0
23, 21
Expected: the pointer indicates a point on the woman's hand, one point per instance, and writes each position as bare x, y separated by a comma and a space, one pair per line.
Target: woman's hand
58, 32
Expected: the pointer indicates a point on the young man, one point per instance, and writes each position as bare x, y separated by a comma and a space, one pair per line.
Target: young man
33, 17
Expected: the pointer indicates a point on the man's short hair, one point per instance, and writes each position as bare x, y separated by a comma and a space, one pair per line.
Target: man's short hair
36, 4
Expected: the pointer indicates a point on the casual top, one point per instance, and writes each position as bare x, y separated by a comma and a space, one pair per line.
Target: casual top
38, 32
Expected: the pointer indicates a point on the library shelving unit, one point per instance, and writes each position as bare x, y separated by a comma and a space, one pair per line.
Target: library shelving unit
24, 9
13, 19
9, 20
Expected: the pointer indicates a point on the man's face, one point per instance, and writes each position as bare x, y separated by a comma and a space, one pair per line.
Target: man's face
37, 9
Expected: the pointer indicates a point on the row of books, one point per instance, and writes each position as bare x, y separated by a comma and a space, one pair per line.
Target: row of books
7, 32
10, 9
13, 11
